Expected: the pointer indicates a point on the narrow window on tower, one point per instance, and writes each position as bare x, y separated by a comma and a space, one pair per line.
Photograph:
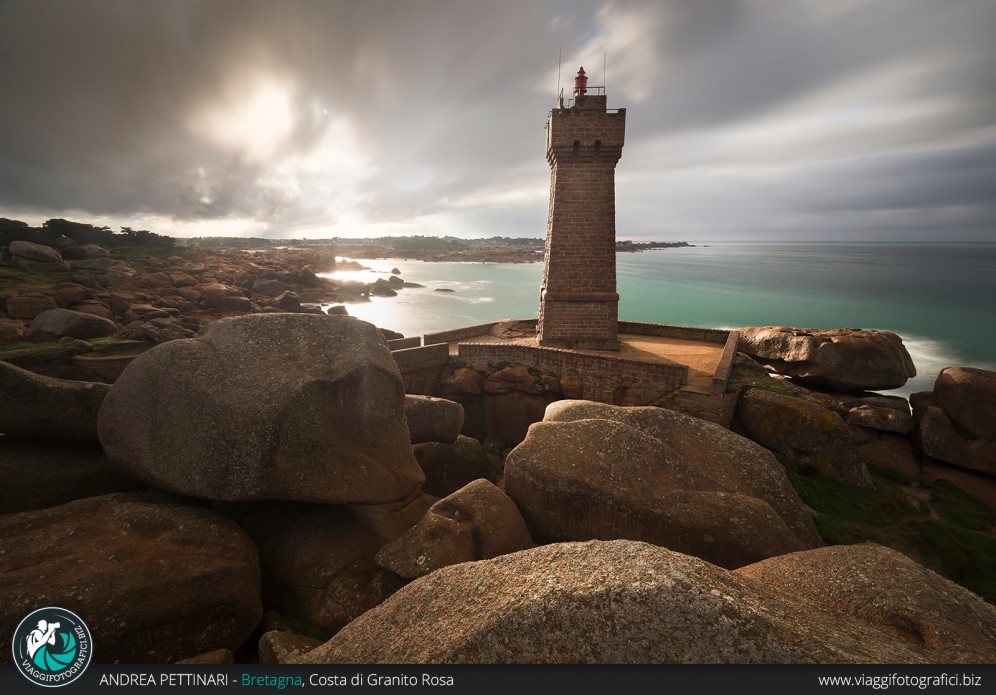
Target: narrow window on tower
598, 148
577, 149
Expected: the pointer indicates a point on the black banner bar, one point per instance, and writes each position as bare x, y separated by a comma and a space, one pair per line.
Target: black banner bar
518, 680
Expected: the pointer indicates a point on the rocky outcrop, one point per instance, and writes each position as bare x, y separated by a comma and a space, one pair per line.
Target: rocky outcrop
477, 522
288, 301
36, 256
43, 472
56, 323
957, 422
392, 519
156, 581
936, 436
317, 561
883, 413
432, 419
804, 432
215, 656
278, 647
501, 401
603, 602
67, 294
600, 479
42, 406
223, 297
883, 588
735, 462
980, 486
276, 406
11, 330
463, 380
157, 330
448, 467
95, 250
892, 452
844, 359
29, 305
968, 396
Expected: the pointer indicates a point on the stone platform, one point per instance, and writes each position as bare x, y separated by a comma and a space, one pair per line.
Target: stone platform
681, 367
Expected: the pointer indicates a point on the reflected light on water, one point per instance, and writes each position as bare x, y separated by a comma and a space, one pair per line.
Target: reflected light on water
479, 293
366, 276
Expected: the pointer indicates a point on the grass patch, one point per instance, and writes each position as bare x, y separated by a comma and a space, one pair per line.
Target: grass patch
24, 348
959, 508
949, 536
11, 277
846, 514
964, 556
748, 373
27, 355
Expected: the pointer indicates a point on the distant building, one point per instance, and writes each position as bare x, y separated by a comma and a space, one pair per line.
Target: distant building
579, 305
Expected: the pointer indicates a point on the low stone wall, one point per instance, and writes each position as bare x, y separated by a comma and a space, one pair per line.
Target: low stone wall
421, 367
458, 333
402, 343
467, 332
410, 359
722, 375
603, 377
709, 335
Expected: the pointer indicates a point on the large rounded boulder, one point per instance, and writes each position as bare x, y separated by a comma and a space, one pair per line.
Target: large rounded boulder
26, 254
58, 323
805, 433
966, 398
274, 406
43, 406
317, 562
600, 479
886, 589
39, 472
433, 419
736, 463
843, 359
477, 522
154, 580
603, 602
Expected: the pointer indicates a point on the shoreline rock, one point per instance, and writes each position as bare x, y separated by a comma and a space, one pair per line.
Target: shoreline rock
843, 359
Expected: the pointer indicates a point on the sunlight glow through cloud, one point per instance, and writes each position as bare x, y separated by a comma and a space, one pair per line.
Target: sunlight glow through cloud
253, 119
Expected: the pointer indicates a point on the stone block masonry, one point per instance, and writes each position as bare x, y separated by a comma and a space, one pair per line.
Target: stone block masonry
605, 378
579, 303
420, 366
458, 333
709, 335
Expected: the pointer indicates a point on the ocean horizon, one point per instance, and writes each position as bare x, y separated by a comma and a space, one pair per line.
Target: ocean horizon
937, 296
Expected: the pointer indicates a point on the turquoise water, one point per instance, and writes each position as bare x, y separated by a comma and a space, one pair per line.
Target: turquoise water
939, 297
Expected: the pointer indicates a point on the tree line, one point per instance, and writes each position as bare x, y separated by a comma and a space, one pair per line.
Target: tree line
54, 232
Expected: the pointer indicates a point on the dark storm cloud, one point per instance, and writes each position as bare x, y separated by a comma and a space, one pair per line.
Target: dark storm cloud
744, 117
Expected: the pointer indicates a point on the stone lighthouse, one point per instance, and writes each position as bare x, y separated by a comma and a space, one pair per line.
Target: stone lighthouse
579, 305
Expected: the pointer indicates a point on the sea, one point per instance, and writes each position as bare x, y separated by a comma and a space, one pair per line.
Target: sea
939, 297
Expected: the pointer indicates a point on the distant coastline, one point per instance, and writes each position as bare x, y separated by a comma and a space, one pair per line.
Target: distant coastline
496, 250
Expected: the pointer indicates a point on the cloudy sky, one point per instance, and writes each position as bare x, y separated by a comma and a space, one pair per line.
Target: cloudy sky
750, 119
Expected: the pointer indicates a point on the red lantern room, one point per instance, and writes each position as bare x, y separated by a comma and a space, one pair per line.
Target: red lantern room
580, 83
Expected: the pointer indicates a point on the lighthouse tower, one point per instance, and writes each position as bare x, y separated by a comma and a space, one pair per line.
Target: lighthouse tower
579, 306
